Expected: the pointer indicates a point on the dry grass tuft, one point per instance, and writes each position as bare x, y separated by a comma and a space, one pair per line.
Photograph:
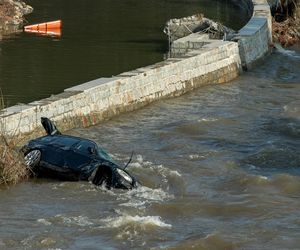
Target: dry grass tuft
12, 167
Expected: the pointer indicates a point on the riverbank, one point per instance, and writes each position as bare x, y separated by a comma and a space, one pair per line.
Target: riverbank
286, 22
12, 14
12, 167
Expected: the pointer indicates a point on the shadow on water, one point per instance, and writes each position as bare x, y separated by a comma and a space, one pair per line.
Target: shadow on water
287, 127
275, 158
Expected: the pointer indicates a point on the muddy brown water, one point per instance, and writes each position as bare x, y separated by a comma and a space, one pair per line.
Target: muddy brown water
220, 169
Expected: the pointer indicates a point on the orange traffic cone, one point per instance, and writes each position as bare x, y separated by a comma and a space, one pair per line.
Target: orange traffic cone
48, 28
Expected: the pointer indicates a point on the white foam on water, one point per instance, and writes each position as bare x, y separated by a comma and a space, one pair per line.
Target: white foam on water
261, 180
139, 158
153, 194
44, 221
209, 119
124, 220
116, 156
157, 171
292, 109
175, 173
134, 203
166, 171
252, 167
202, 156
140, 163
286, 52
81, 221
143, 196
196, 156
136, 165
263, 177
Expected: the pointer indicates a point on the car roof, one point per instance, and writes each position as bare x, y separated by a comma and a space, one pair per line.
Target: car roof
63, 140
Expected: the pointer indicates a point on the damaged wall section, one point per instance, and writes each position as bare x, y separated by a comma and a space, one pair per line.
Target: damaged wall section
254, 38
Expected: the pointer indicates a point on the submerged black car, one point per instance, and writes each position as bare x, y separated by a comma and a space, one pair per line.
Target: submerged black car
73, 158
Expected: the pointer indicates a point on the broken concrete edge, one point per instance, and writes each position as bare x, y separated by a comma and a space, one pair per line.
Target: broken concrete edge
254, 39
90, 103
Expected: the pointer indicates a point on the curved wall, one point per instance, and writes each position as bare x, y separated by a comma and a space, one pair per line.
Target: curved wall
255, 37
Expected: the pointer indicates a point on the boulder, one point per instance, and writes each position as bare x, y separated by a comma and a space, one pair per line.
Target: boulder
12, 14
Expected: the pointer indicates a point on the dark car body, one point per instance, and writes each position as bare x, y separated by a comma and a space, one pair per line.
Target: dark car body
73, 158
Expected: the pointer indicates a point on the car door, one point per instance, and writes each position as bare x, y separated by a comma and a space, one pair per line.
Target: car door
80, 159
53, 163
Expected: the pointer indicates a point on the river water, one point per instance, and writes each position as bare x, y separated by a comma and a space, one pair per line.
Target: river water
99, 39
220, 169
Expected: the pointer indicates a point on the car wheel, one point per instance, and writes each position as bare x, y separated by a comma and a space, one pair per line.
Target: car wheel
33, 158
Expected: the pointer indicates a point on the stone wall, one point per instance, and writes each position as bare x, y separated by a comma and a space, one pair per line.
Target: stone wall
214, 62
255, 37
94, 101
185, 44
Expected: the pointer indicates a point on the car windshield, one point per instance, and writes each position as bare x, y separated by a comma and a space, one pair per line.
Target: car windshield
103, 154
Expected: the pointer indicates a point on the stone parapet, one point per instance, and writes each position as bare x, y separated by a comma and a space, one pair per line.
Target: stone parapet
255, 37
204, 62
94, 101
185, 44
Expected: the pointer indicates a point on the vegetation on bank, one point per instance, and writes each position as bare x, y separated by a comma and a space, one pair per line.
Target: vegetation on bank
286, 22
12, 167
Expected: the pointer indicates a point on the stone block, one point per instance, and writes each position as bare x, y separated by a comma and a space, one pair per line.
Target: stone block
88, 86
